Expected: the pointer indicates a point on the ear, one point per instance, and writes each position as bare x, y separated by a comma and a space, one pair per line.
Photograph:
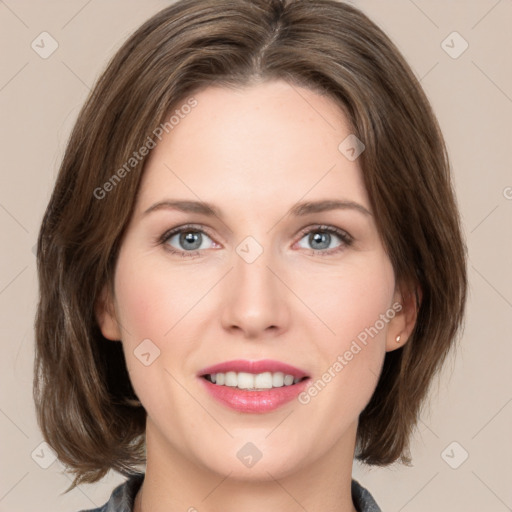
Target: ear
105, 315
406, 304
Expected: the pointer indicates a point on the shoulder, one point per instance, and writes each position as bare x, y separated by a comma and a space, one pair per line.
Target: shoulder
363, 500
123, 496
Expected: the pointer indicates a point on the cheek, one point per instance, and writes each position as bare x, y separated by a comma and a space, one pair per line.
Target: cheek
356, 307
150, 298
147, 308
141, 306
160, 316
352, 299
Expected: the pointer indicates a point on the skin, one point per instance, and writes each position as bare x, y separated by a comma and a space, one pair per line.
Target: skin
253, 153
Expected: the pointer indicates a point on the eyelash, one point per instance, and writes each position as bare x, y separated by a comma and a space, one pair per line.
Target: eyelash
346, 239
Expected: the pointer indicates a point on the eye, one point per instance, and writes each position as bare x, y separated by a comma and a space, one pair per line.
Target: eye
188, 240
185, 240
321, 238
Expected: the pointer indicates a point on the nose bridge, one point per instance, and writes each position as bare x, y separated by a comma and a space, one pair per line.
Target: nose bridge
256, 298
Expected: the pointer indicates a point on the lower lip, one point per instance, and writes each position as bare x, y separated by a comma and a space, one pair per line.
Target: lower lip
254, 401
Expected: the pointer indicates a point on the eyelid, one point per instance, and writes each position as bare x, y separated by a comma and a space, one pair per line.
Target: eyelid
184, 227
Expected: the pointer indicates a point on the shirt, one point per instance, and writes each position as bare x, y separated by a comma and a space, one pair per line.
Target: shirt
123, 496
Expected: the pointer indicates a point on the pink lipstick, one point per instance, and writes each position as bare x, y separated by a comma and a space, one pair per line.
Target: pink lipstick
253, 386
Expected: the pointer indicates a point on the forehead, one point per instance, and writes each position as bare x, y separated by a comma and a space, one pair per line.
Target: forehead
273, 143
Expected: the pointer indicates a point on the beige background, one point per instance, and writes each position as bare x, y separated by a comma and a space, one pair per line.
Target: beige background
472, 96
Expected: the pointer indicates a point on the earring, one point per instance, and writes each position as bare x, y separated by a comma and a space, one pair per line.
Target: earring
397, 339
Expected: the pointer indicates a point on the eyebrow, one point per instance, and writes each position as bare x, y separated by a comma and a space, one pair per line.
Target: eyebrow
298, 210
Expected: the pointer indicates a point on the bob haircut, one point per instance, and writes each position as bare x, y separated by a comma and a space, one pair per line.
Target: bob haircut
85, 404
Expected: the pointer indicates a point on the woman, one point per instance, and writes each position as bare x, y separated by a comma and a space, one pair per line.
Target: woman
251, 266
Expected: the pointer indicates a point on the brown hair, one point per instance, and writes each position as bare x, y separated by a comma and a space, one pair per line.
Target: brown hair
86, 407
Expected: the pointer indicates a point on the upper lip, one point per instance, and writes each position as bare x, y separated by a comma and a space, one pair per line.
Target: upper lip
264, 365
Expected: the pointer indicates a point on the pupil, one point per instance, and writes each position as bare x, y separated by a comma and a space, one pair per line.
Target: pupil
191, 238
318, 237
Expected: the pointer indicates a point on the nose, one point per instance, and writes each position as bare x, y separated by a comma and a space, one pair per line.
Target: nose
255, 298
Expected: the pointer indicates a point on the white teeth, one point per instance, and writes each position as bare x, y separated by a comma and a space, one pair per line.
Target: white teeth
230, 379
288, 380
263, 380
245, 380
250, 381
278, 379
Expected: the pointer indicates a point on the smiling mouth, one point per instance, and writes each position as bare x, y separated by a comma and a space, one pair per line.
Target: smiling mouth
253, 382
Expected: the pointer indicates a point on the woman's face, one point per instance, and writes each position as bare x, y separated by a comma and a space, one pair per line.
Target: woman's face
261, 279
